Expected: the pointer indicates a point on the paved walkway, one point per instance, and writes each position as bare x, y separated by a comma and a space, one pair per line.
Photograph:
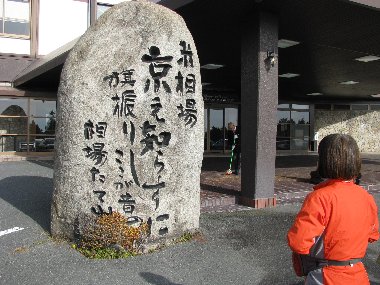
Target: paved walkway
220, 192
243, 247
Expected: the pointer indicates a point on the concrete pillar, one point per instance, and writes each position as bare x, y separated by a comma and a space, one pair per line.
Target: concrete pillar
259, 97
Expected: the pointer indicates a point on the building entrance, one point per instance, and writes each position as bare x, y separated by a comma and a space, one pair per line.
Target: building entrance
216, 132
293, 127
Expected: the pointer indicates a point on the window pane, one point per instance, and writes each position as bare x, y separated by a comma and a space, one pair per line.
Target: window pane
283, 116
13, 107
359, 107
12, 143
15, 27
300, 117
283, 106
231, 120
283, 130
43, 143
111, 2
282, 144
205, 120
42, 126
13, 125
216, 129
42, 108
299, 131
1, 25
205, 129
341, 107
299, 137
299, 144
298, 107
101, 9
322, 106
17, 9
16, 17
231, 115
375, 107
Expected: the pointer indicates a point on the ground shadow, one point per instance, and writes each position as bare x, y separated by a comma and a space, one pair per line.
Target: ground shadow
291, 161
31, 195
152, 278
221, 164
264, 237
370, 263
219, 189
304, 180
45, 163
282, 161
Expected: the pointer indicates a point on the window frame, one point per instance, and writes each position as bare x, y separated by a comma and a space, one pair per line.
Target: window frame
100, 3
30, 137
3, 34
288, 142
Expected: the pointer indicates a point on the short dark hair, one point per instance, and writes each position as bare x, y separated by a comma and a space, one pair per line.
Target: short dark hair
339, 157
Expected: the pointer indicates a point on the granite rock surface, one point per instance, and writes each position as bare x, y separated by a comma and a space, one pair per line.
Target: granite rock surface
130, 124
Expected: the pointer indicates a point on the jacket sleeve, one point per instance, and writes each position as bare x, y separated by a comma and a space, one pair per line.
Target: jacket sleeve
374, 231
309, 224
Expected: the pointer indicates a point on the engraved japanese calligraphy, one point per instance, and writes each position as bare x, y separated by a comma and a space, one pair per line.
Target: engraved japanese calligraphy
130, 124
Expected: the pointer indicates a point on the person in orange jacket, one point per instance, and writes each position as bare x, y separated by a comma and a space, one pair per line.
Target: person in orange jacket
337, 220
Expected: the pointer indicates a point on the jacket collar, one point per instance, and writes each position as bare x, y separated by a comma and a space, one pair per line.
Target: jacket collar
330, 182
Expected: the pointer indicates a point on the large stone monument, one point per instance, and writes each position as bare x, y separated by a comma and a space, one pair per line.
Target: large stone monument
130, 124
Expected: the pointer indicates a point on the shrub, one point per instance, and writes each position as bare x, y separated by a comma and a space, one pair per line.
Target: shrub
110, 236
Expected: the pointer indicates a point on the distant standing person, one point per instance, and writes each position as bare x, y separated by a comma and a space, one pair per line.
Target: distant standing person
338, 219
237, 150
230, 135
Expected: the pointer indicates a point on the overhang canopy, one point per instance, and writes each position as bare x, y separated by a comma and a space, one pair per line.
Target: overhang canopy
45, 72
11, 65
332, 35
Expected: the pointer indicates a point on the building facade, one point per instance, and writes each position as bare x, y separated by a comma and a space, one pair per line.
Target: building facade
30, 30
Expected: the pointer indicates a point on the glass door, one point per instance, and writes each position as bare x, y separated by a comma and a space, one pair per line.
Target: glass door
293, 127
218, 128
230, 122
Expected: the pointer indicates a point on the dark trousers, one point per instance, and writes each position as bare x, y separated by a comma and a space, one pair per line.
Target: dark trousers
237, 162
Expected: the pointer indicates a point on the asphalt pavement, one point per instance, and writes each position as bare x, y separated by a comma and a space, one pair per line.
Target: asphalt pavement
242, 247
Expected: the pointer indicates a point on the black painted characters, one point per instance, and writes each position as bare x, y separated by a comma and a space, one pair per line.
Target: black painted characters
125, 93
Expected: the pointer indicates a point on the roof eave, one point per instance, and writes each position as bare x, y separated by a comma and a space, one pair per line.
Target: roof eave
44, 64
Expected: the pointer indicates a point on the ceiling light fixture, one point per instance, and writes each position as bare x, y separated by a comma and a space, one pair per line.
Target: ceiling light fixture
349, 82
376, 95
206, 83
289, 75
367, 58
212, 66
314, 94
283, 43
